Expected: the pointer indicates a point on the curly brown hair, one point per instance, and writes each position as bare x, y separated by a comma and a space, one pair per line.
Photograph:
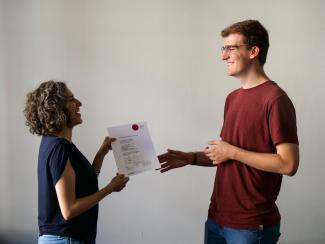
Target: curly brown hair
255, 34
46, 108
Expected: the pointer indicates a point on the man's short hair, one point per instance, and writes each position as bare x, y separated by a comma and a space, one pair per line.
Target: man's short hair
254, 33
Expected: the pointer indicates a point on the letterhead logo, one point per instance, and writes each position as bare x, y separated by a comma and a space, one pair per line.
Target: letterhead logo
135, 127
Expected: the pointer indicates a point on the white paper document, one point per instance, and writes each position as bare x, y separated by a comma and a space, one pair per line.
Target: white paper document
133, 149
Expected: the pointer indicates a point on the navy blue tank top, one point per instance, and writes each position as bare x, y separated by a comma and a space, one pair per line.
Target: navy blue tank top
53, 155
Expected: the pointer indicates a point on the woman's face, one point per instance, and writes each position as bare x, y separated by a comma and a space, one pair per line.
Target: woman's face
73, 106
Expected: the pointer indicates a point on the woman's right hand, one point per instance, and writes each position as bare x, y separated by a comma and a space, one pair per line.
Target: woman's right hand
106, 146
118, 182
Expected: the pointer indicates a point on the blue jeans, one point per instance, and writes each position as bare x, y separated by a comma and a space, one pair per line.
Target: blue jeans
54, 239
218, 234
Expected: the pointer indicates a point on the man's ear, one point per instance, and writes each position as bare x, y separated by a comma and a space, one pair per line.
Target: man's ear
255, 50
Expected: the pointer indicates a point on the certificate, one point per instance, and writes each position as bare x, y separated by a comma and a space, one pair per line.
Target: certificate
133, 150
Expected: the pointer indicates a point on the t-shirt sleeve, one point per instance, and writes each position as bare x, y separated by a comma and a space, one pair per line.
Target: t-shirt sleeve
58, 160
224, 116
282, 121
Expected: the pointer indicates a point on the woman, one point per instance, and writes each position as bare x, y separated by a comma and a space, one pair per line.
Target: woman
68, 192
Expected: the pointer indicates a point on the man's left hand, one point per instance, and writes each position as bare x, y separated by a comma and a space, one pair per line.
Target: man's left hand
219, 151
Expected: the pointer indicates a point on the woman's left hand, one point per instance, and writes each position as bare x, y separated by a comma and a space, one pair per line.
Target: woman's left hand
106, 145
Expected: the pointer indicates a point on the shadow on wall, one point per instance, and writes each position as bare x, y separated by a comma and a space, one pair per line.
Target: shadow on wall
18, 237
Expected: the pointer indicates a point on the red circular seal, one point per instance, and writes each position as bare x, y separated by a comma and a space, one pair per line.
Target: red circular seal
135, 127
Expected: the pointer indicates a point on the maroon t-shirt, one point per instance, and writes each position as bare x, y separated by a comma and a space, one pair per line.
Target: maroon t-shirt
255, 119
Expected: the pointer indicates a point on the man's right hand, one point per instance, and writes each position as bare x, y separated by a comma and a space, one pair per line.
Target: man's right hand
175, 159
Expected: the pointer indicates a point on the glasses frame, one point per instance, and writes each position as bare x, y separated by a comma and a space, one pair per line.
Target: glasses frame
230, 48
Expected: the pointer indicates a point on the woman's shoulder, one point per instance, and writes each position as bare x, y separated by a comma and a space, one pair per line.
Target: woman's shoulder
49, 142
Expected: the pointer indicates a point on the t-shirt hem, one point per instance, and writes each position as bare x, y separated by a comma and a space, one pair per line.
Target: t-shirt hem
245, 225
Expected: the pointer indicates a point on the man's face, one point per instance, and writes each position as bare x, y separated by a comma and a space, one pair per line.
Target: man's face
237, 55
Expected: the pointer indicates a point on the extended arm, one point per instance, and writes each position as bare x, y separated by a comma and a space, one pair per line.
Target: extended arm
176, 159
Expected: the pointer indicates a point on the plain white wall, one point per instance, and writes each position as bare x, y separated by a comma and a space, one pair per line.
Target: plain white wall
4, 179
155, 61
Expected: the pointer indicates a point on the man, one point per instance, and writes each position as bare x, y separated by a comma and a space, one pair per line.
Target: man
258, 145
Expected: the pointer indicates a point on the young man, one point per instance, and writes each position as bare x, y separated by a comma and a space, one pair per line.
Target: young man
258, 145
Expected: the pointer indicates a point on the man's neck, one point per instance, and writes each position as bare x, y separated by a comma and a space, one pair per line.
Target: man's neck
254, 77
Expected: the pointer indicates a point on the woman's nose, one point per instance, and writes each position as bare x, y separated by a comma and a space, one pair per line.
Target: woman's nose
79, 103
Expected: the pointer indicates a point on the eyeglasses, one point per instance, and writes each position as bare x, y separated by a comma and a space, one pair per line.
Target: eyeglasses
229, 48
